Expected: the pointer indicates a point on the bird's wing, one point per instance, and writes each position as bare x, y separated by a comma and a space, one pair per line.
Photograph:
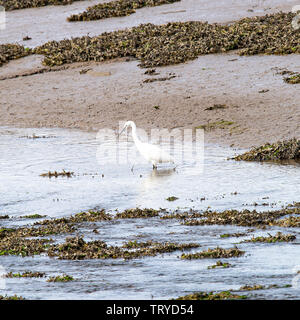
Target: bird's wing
153, 152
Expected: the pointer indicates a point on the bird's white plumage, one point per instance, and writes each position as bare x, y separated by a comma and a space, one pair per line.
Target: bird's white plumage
150, 152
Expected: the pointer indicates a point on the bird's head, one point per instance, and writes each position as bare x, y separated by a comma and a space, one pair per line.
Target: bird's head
126, 125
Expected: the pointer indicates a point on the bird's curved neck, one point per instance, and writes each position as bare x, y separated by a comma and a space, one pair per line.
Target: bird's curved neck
134, 136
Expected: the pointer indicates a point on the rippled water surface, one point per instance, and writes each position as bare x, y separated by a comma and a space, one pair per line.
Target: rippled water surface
100, 182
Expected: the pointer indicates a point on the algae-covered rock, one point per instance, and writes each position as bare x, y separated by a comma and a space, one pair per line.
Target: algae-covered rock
171, 43
279, 237
282, 150
12, 51
248, 218
215, 253
118, 8
177, 42
223, 295
76, 248
23, 4
293, 79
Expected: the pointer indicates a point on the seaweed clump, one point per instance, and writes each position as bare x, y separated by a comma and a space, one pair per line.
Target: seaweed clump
137, 213
84, 216
288, 222
223, 295
10, 5
33, 216
182, 215
118, 8
14, 297
56, 174
14, 241
177, 42
253, 287
63, 278
241, 218
23, 247
26, 274
77, 249
91, 216
228, 235
12, 51
172, 198
136, 244
281, 150
293, 79
279, 237
214, 253
219, 264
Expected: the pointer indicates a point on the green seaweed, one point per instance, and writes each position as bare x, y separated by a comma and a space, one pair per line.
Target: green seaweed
281, 150
219, 264
12, 51
33, 216
63, 278
172, 198
215, 253
14, 297
119, 8
10, 5
223, 295
279, 237
26, 274
177, 42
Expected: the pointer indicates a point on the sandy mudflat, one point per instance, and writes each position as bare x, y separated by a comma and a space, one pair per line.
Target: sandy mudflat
260, 105
115, 91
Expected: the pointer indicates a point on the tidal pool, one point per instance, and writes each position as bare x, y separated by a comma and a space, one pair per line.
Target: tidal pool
99, 181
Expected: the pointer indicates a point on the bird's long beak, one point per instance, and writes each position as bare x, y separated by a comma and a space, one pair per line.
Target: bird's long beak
121, 131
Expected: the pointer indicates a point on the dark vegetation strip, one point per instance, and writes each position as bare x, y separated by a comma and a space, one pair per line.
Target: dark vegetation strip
118, 8
281, 150
172, 43
248, 218
178, 42
12, 51
222, 295
10, 5
34, 239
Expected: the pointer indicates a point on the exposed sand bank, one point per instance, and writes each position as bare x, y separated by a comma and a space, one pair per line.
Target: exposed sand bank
114, 91
259, 105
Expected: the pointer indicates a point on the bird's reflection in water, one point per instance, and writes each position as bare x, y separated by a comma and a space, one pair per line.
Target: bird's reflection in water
157, 177
156, 173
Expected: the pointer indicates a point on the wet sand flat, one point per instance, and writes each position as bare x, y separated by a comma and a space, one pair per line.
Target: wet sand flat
91, 96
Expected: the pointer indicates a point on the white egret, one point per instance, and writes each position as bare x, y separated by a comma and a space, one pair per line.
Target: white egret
149, 151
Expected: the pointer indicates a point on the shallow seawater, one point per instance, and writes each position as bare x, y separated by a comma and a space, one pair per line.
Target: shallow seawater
100, 181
